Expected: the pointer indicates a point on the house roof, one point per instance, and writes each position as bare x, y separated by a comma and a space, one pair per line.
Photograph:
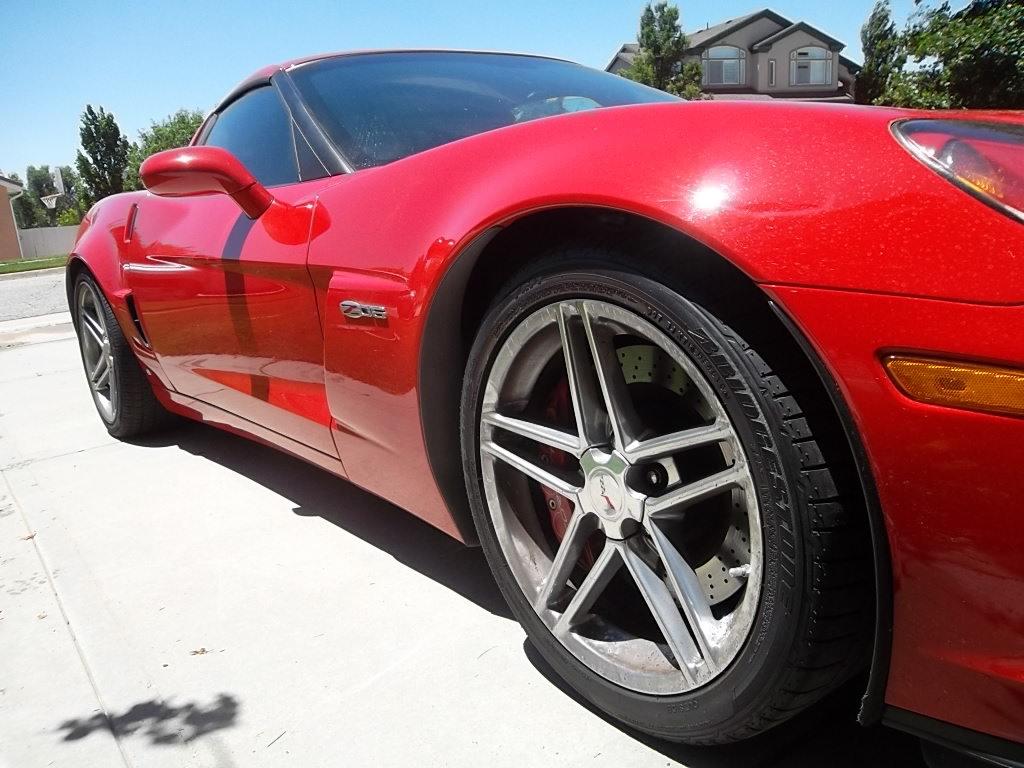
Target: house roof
702, 37
626, 53
850, 64
11, 185
800, 26
705, 37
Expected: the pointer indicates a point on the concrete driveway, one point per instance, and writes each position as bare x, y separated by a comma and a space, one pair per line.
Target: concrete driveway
199, 600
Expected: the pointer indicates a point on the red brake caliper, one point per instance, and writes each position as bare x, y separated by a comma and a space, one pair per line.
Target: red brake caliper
557, 411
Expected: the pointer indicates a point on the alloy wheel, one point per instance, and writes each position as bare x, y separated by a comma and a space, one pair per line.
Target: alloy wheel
96, 350
621, 496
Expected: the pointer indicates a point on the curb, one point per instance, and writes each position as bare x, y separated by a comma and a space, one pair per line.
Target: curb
31, 273
32, 330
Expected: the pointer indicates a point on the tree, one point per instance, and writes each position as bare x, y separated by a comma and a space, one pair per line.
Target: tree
173, 131
69, 217
39, 185
29, 211
659, 62
105, 157
688, 83
973, 58
71, 206
26, 208
881, 45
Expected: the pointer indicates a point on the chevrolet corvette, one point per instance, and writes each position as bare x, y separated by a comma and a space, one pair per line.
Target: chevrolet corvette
730, 393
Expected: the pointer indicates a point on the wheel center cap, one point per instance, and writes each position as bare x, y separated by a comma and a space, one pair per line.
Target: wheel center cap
606, 494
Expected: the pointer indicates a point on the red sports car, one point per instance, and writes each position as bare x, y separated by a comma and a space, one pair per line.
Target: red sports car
730, 393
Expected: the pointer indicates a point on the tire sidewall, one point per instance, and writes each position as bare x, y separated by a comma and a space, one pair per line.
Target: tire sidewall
118, 347
744, 687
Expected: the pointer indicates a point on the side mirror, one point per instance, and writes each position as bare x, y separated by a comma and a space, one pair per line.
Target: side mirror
204, 171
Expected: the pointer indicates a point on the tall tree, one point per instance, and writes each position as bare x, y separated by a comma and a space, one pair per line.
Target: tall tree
973, 58
27, 209
104, 156
39, 185
173, 131
71, 206
881, 45
659, 62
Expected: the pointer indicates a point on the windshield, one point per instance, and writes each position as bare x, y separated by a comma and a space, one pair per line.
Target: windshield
384, 106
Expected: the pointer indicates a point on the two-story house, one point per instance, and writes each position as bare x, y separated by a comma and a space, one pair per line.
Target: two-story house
10, 246
765, 55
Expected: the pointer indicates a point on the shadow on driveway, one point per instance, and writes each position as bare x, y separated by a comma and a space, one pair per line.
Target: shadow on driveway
317, 493
159, 721
828, 734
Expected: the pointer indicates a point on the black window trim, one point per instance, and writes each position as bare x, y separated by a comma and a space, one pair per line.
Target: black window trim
241, 93
329, 155
303, 127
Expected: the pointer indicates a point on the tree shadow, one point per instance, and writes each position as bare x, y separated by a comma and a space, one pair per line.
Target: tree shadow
826, 734
159, 721
317, 493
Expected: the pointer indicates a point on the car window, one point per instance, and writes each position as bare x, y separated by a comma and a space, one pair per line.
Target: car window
256, 129
381, 107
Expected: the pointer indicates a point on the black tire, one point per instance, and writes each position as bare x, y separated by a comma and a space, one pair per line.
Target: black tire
813, 621
135, 411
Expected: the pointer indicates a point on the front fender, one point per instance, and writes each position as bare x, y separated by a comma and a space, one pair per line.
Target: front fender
100, 249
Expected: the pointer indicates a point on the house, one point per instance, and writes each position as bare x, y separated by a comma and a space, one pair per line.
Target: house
764, 55
10, 246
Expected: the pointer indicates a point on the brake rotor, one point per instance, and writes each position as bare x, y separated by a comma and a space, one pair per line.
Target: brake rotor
647, 364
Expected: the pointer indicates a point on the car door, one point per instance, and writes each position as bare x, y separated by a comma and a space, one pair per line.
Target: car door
225, 301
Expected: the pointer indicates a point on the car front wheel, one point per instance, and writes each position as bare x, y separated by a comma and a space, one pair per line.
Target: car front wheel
656, 510
123, 397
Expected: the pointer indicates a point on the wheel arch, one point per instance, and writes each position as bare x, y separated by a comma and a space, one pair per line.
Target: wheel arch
480, 271
76, 266
105, 272
100, 261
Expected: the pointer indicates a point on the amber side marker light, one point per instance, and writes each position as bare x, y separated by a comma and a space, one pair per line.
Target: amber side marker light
971, 386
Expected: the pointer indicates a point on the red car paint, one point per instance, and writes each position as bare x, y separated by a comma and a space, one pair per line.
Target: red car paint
865, 249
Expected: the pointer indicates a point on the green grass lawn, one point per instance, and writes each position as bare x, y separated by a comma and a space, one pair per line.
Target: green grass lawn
7, 267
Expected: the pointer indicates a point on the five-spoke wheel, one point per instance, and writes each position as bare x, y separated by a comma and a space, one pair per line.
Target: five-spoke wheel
659, 500
119, 386
653, 504
96, 352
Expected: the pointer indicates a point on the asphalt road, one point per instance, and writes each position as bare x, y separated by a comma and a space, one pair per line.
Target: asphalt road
194, 599
28, 294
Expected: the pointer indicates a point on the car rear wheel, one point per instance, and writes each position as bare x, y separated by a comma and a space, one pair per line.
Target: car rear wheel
656, 510
123, 397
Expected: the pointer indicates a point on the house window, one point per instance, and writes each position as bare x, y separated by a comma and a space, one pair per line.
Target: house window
724, 65
810, 66
771, 72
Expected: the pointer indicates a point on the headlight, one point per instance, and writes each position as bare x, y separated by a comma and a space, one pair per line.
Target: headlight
984, 159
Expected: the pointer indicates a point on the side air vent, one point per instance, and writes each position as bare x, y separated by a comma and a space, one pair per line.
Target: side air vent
140, 333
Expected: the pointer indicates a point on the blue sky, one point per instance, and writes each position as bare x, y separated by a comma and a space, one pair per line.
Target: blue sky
143, 60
